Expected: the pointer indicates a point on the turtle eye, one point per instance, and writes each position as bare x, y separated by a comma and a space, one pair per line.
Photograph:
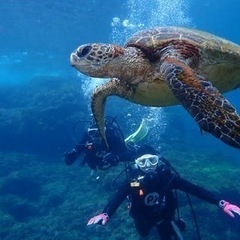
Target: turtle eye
84, 51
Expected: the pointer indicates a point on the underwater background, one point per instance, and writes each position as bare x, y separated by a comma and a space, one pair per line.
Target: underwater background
42, 97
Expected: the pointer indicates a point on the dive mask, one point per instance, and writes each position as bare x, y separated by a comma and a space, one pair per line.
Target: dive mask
147, 162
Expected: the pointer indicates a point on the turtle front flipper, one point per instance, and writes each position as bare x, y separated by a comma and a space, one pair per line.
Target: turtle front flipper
204, 102
99, 97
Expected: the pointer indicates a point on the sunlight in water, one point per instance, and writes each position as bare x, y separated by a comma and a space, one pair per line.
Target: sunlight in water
147, 14
141, 15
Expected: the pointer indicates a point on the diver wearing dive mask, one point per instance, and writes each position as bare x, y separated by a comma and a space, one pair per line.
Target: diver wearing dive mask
148, 164
152, 199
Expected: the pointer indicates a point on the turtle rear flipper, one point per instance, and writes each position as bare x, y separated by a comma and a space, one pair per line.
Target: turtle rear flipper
213, 113
99, 97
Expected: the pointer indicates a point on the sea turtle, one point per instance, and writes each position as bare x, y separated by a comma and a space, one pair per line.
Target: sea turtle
166, 66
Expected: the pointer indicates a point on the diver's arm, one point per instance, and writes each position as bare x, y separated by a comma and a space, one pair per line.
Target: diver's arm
110, 208
206, 195
116, 201
186, 186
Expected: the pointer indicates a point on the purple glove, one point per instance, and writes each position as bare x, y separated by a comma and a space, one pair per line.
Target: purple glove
229, 208
101, 219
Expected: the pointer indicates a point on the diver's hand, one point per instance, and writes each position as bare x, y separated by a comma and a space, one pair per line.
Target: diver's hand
229, 208
99, 219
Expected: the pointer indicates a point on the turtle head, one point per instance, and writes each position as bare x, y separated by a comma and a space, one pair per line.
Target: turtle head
95, 59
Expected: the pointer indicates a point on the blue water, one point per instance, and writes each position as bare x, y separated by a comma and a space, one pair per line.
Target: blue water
41, 96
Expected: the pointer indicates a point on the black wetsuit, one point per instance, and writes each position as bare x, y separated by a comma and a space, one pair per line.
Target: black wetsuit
94, 150
152, 200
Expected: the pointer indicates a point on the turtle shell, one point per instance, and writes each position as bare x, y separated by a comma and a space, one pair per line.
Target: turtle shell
212, 57
155, 39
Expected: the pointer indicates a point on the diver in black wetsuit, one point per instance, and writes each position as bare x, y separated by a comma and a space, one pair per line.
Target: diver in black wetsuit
97, 156
152, 201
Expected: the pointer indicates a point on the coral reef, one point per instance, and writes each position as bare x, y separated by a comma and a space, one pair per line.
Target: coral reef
68, 196
41, 198
38, 110
25, 188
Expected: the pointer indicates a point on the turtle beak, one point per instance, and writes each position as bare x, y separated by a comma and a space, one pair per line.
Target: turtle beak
73, 59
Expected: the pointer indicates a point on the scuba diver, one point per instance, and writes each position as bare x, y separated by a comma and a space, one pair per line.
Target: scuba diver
96, 154
152, 199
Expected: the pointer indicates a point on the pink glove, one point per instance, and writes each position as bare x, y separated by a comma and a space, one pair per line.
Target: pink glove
101, 219
229, 208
